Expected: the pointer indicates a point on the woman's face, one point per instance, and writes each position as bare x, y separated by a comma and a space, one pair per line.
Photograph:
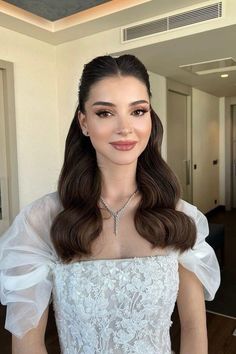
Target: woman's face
117, 118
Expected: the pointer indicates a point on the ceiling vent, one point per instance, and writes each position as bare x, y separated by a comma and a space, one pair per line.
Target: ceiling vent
211, 67
179, 20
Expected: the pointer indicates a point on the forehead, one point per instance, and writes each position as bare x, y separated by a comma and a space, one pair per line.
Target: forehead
118, 87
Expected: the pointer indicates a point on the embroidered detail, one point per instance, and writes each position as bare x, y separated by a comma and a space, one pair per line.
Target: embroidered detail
112, 307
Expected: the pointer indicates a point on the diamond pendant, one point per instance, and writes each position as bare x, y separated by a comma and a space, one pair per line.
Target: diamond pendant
116, 215
116, 220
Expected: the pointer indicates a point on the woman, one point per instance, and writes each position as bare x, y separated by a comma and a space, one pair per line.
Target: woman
115, 246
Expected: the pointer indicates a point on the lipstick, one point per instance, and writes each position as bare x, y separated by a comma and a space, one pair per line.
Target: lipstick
124, 145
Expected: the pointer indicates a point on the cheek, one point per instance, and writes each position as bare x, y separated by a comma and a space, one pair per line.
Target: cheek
144, 129
97, 129
99, 133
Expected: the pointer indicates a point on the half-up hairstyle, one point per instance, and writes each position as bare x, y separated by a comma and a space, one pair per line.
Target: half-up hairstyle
79, 187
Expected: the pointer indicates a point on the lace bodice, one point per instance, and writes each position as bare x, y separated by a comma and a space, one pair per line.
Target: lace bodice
116, 306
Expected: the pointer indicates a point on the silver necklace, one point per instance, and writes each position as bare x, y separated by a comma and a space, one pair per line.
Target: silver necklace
116, 214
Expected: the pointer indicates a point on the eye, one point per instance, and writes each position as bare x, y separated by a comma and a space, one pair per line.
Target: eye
103, 114
140, 112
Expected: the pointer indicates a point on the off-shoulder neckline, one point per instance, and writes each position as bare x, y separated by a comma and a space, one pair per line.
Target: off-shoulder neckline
129, 259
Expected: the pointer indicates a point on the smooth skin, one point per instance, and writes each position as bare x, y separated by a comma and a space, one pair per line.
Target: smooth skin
33, 341
192, 313
125, 115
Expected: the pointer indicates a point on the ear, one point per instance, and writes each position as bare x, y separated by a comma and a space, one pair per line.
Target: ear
82, 120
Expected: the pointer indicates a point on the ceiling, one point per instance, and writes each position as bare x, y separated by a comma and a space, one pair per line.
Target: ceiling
53, 10
163, 58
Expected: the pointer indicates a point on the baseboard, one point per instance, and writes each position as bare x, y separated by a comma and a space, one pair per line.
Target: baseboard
220, 314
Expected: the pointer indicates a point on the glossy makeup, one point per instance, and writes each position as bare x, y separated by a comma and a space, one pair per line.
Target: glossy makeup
117, 118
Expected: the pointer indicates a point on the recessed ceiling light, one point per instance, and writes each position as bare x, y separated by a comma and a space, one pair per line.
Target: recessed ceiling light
224, 75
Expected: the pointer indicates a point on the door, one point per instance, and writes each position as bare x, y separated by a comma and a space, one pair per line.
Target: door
4, 202
178, 156
233, 184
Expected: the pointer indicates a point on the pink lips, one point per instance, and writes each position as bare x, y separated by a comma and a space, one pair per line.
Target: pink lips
124, 145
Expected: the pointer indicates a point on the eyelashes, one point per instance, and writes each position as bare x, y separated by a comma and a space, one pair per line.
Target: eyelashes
105, 114
102, 114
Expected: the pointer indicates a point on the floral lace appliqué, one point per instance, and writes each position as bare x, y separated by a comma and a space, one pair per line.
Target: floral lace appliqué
116, 306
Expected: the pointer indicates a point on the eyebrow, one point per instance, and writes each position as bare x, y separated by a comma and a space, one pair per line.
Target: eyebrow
113, 105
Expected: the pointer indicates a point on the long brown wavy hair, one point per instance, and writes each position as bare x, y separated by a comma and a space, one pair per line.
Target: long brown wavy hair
79, 187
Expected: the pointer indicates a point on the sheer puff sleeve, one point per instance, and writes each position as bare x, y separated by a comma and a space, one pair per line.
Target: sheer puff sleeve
201, 260
26, 258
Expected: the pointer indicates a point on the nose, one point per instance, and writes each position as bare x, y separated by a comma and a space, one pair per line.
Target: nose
124, 126
124, 131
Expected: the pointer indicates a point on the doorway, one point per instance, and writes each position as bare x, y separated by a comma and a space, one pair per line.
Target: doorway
179, 147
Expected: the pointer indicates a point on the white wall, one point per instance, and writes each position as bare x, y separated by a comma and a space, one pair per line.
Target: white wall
205, 118
36, 112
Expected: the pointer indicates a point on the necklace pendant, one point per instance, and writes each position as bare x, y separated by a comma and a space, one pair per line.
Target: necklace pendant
116, 215
116, 220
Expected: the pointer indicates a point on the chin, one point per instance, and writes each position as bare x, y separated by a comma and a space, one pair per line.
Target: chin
121, 159
124, 162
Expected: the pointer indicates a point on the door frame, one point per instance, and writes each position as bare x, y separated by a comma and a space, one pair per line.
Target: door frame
233, 202
11, 142
185, 90
229, 101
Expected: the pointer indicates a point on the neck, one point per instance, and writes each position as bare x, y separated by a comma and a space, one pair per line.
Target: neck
118, 182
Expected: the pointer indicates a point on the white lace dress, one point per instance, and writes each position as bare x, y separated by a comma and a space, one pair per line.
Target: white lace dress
106, 306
